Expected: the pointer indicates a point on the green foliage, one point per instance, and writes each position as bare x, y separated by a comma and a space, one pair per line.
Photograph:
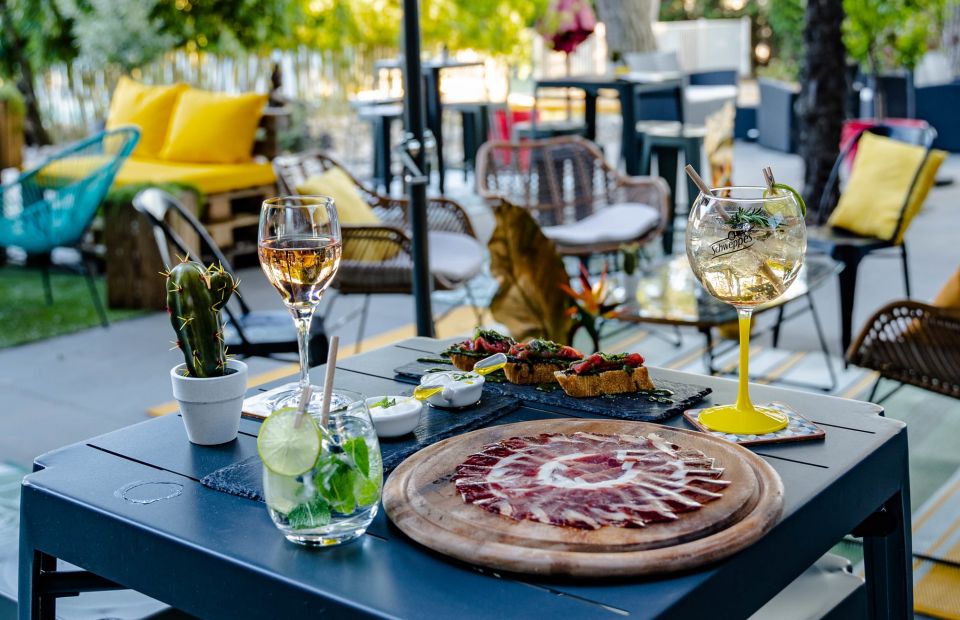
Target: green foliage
888, 34
14, 100
122, 33
195, 297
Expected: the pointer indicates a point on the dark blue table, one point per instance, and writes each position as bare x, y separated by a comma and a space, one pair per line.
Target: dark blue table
215, 555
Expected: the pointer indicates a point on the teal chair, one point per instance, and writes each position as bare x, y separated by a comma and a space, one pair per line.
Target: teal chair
54, 204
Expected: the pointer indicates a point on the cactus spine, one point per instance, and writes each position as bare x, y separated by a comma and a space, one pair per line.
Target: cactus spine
195, 296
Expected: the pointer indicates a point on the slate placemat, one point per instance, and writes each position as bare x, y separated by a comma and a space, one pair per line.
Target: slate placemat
246, 477
636, 407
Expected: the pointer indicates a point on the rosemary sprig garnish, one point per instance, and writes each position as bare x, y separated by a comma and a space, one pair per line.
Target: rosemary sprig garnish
748, 219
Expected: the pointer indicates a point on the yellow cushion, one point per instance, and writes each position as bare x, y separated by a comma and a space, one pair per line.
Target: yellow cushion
352, 210
949, 295
351, 207
149, 108
871, 202
208, 178
213, 128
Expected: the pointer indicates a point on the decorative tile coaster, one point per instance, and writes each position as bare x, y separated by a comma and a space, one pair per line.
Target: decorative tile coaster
798, 429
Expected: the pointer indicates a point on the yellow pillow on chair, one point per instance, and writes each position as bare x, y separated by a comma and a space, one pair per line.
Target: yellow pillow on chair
871, 202
149, 108
213, 128
352, 210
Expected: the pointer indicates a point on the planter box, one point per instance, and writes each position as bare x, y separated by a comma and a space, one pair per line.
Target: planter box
11, 138
776, 119
938, 105
133, 262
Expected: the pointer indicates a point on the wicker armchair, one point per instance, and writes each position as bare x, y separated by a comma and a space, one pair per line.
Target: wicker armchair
583, 204
911, 342
455, 254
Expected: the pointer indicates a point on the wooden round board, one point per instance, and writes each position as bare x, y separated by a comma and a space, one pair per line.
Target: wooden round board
422, 500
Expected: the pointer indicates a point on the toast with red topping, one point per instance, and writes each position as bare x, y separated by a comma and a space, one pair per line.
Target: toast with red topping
537, 361
484, 343
605, 374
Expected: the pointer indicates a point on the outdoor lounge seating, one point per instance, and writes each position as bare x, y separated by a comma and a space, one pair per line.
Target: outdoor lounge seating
913, 343
851, 248
583, 204
247, 332
377, 256
46, 208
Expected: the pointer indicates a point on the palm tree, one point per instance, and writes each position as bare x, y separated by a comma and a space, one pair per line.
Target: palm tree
823, 94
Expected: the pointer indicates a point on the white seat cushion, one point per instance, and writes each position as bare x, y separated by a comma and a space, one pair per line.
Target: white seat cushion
621, 222
454, 256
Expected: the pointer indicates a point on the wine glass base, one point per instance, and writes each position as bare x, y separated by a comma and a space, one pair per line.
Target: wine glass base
289, 396
729, 419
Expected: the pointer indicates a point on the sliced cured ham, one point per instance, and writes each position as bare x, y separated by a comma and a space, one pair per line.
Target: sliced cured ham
589, 481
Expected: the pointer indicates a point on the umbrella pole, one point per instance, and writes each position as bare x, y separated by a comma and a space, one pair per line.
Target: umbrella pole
415, 179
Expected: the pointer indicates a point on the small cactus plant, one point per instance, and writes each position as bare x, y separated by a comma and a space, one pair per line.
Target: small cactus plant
195, 296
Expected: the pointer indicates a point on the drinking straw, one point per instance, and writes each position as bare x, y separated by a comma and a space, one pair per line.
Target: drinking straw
768, 178
704, 188
328, 381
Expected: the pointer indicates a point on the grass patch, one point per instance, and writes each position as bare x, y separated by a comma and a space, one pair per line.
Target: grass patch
25, 315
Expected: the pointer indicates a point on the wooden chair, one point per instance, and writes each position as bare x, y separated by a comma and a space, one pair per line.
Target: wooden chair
913, 343
851, 249
584, 205
455, 254
247, 332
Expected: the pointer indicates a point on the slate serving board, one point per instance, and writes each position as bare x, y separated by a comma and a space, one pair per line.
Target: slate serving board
246, 477
635, 407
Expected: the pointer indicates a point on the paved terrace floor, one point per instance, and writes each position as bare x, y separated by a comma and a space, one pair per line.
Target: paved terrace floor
69, 388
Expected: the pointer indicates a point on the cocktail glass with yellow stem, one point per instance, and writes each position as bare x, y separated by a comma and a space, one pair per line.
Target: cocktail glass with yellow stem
746, 246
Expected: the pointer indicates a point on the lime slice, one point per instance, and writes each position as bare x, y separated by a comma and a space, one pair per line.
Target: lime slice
287, 447
282, 493
776, 209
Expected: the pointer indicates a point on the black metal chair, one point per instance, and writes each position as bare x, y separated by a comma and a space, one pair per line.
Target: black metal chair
247, 332
851, 249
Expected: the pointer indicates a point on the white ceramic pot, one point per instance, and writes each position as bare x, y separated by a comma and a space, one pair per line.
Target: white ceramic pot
211, 407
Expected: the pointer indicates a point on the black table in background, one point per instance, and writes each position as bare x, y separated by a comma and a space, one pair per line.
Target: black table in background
431, 70
216, 555
628, 89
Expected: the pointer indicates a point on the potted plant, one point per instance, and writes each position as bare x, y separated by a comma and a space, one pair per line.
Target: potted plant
630, 254
592, 305
208, 386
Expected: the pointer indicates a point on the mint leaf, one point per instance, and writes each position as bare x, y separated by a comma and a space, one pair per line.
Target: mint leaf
334, 480
358, 451
315, 513
367, 491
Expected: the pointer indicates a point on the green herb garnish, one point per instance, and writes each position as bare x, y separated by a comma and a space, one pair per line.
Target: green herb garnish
315, 513
386, 402
748, 219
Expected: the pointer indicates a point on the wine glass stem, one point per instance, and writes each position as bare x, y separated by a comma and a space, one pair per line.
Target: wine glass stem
302, 319
743, 392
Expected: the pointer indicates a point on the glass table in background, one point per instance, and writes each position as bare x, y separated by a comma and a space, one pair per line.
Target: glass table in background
669, 294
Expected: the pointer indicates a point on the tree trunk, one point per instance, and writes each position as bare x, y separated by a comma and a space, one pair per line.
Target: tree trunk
33, 124
629, 25
820, 107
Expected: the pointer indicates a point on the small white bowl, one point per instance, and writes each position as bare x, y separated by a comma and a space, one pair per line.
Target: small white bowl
398, 420
461, 389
